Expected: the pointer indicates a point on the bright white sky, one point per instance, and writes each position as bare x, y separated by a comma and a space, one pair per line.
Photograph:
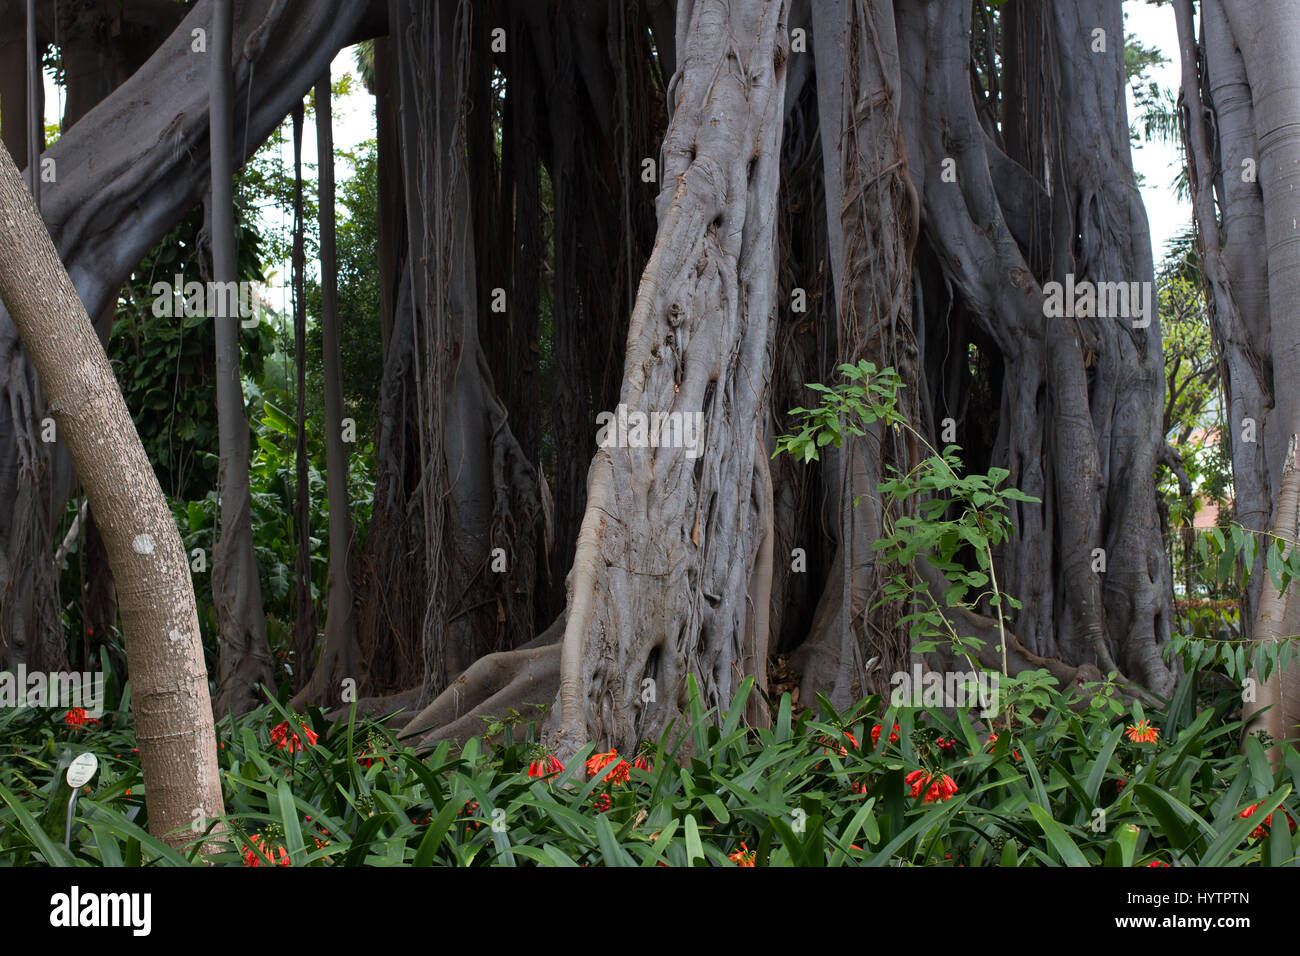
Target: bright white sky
1158, 162
354, 122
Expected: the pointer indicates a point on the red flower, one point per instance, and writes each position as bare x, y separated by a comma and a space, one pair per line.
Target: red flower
1157, 863
875, 735
598, 762
252, 859
935, 790
282, 738
643, 762
1121, 783
946, 745
742, 857
76, 717
544, 766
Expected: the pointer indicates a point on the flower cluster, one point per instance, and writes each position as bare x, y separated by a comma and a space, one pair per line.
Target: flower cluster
1143, 733
742, 857
935, 790
267, 849
544, 765
644, 759
369, 755
1262, 830
286, 740
598, 762
76, 717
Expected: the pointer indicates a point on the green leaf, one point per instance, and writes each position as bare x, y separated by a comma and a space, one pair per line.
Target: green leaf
1066, 849
694, 849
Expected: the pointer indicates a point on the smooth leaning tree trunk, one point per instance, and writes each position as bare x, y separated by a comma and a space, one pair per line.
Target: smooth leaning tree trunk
173, 717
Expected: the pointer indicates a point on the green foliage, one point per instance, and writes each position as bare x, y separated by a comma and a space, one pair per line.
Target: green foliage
358, 296
166, 366
273, 484
813, 789
933, 512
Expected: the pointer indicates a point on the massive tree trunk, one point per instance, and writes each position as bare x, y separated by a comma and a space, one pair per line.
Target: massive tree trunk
672, 574
1077, 420
1101, 236
244, 663
173, 717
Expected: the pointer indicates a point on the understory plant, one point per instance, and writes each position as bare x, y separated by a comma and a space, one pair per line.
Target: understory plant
1114, 785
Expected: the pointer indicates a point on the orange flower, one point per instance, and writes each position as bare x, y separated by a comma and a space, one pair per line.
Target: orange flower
544, 766
282, 738
598, 762
742, 857
76, 717
935, 790
1143, 733
875, 735
252, 859
1262, 830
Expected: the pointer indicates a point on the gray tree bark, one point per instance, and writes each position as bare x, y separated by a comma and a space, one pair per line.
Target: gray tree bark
340, 655
244, 664
673, 567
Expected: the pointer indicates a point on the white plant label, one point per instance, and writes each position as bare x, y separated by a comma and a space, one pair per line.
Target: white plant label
82, 769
